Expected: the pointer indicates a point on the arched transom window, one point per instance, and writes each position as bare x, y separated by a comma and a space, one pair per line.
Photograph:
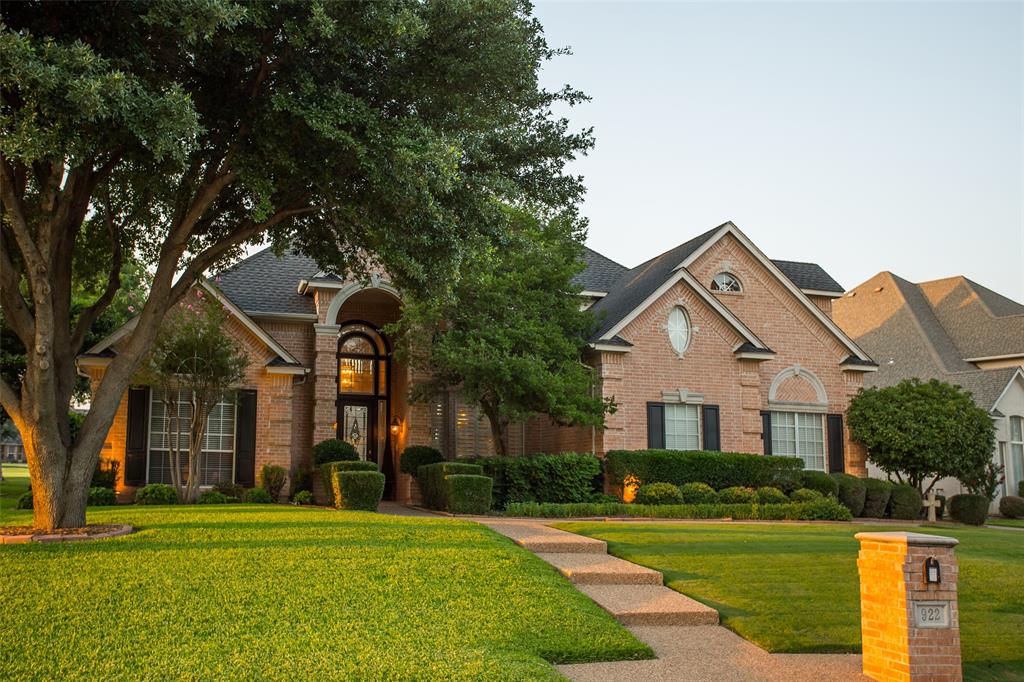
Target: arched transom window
362, 361
724, 281
679, 329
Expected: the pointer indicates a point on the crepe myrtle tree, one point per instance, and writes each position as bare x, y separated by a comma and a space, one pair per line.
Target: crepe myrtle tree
511, 335
918, 431
367, 135
195, 363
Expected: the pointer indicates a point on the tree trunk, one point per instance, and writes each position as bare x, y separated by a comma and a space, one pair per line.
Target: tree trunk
499, 429
60, 482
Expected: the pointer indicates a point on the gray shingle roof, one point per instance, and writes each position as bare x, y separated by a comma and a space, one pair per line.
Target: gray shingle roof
986, 385
808, 276
264, 282
600, 273
980, 322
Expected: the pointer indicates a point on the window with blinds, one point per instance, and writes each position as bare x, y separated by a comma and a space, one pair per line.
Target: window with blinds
799, 434
218, 441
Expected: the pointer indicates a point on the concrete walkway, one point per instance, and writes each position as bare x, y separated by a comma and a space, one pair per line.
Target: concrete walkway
685, 634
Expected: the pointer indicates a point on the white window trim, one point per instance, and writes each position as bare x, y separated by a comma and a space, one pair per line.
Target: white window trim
796, 442
681, 395
736, 279
690, 329
700, 425
1012, 465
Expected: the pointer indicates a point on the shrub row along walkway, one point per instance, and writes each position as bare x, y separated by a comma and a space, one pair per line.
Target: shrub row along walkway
685, 635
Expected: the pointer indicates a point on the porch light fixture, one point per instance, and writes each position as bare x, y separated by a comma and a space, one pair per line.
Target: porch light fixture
396, 425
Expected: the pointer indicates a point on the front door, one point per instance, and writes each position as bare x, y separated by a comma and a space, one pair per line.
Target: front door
357, 424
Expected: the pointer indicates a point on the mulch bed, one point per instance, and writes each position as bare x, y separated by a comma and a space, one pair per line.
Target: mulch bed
19, 534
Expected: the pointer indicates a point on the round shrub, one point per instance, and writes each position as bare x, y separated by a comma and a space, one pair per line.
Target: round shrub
273, 478
770, 495
805, 495
1012, 507
415, 456
469, 494
303, 497
333, 450
101, 496
229, 489
698, 493
25, 501
358, 489
156, 493
658, 493
820, 481
969, 509
876, 497
905, 502
258, 496
737, 495
213, 497
852, 492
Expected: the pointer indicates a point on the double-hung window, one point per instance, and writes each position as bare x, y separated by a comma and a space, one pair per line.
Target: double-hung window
167, 431
799, 434
682, 427
1015, 472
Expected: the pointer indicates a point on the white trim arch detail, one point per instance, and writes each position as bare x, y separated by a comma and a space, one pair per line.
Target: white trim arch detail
802, 373
353, 288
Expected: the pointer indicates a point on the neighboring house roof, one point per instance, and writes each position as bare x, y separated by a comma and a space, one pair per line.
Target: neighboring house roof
809, 276
267, 283
986, 385
600, 273
980, 322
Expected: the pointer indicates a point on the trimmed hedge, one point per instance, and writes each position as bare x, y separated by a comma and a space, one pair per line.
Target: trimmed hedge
807, 495
303, 497
564, 477
717, 469
658, 493
876, 497
1012, 507
969, 509
214, 497
820, 481
360, 490
333, 450
852, 492
905, 502
770, 495
698, 493
272, 479
257, 496
327, 473
821, 509
101, 496
156, 493
468, 494
737, 495
415, 456
432, 481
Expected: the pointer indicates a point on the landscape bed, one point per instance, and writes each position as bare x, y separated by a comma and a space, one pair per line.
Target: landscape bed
280, 592
795, 588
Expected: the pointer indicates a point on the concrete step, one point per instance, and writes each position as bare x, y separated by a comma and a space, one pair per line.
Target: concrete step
650, 605
601, 569
541, 539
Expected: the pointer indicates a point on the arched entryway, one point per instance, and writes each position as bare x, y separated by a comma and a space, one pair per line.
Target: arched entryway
364, 373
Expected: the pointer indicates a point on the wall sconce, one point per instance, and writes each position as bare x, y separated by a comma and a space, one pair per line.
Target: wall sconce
396, 425
932, 574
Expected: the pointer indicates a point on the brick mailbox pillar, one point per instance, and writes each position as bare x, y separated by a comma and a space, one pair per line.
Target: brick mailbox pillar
909, 618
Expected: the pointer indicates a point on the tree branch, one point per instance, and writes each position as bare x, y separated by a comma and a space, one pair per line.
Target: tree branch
16, 310
19, 224
11, 402
89, 315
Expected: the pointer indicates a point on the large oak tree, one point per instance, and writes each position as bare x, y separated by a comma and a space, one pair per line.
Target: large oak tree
365, 134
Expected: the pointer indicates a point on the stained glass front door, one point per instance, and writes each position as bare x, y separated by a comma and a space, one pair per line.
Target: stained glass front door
357, 424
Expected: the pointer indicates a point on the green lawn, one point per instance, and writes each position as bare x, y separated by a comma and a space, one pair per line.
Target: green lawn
794, 588
1012, 523
279, 592
14, 484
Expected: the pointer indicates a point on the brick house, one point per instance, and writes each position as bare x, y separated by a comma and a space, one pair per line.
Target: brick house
709, 345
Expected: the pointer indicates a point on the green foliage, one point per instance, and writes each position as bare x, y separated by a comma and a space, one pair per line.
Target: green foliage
969, 508
905, 502
257, 496
770, 495
737, 495
817, 509
432, 481
1012, 507
852, 492
101, 496
658, 493
806, 495
698, 493
303, 497
1020, 488
469, 494
876, 497
214, 497
984, 480
360, 490
25, 500
106, 472
564, 477
272, 478
156, 493
820, 481
916, 431
415, 456
334, 450
328, 470
717, 469
229, 489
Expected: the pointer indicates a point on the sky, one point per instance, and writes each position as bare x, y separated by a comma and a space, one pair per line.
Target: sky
863, 136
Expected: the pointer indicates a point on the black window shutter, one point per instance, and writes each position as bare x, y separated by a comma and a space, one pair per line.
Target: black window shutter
836, 444
712, 440
135, 441
245, 439
766, 431
656, 426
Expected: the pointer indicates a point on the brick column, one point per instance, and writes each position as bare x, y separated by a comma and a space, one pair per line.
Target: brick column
325, 383
910, 628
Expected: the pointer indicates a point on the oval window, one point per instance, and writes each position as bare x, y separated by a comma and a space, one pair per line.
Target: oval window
679, 330
723, 281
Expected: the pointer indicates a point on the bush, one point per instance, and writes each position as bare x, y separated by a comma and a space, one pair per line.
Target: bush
820, 481
717, 469
361, 490
565, 477
105, 475
819, 509
25, 501
1012, 507
969, 509
432, 486
156, 493
698, 493
214, 497
258, 496
272, 479
806, 495
876, 497
327, 473
905, 502
852, 492
333, 450
1020, 488
101, 496
737, 495
770, 495
229, 489
469, 494
658, 493
415, 456
303, 497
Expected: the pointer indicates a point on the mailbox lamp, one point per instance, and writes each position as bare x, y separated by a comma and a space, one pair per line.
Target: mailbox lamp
932, 574
396, 425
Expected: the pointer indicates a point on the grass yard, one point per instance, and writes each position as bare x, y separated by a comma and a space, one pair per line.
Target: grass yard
279, 592
14, 484
794, 588
1010, 523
